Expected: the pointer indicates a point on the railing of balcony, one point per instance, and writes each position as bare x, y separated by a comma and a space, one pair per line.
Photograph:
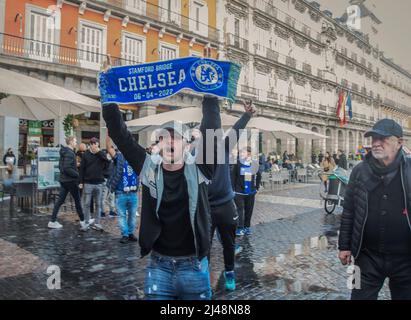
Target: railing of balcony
237, 42
286, 60
248, 90
48, 52
171, 17
273, 11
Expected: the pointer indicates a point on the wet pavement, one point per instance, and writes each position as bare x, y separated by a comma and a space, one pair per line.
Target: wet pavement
292, 254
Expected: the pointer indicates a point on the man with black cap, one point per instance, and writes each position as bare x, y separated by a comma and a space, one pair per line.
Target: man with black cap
375, 224
175, 213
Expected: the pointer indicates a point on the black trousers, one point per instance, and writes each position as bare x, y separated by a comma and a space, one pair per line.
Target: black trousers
258, 180
224, 218
375, 268
74, 190
245, 207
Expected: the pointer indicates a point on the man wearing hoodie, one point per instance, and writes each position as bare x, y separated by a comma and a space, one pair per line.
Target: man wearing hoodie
92, 169
175, 212
69, 180
224, 215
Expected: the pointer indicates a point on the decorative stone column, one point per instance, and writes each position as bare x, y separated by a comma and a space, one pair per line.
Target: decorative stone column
59, 131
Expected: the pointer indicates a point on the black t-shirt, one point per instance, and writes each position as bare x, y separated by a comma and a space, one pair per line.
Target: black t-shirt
177, 237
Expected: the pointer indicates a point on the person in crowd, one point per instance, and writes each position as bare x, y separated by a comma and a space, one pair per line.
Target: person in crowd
243, 180
108, 206
342, 159
274, 166
261, 169
92, 168
299, 164
327, 165
80, 153
124, 183
320, 157
375, 227
69, 183
313, 158
285, 156
175, 215
9, 157
224, 215
335, 157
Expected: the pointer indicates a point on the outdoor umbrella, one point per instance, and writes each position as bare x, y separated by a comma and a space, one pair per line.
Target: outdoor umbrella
185, 115
283, 130
194, 115
33, 99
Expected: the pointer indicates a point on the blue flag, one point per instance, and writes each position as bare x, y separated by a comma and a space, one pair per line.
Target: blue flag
159, 80
348, 105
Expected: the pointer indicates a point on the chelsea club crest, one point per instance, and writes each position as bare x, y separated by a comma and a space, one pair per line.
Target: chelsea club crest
207, 75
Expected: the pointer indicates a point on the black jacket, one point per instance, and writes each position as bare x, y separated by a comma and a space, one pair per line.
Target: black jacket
220, 190
342, 161
68, 165
152, 179
355, 212
93, 167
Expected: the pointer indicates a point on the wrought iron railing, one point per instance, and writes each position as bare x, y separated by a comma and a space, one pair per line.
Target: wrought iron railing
49, 52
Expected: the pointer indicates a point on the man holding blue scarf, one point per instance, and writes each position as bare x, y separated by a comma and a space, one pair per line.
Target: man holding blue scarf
124, 183
175, 214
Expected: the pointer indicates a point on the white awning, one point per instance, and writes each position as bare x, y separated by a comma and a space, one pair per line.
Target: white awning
33, 99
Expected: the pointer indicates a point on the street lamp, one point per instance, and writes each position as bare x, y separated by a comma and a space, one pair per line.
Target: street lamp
129, 115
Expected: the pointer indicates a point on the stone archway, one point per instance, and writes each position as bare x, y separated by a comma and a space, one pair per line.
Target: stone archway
351, 142
315, 144
341, 141
360, 139
328, 141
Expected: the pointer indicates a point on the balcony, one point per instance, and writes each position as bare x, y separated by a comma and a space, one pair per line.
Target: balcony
272, 95
291, 62
52, 53
266, 7
249, 90
236, 42
143, 9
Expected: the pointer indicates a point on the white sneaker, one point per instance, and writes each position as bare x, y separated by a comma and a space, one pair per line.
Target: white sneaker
91, 221
84, 226
54, 225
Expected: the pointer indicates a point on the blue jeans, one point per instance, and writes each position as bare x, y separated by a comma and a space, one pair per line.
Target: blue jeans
177, 278
126, 202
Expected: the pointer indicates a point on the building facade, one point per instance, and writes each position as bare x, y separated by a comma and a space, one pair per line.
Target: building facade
66, 43
296, 58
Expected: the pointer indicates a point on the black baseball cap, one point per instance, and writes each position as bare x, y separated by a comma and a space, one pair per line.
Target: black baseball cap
385, 128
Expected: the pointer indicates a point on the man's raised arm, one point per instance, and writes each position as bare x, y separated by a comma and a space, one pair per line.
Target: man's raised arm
211, 120
240, 124
117, 130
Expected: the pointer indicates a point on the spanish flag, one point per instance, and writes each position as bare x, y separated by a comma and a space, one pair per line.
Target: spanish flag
341, 110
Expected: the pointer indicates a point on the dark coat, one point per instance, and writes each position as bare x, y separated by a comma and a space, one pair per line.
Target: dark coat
68, 165
354, 216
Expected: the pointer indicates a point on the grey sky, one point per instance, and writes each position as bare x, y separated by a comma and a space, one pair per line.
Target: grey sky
395, 30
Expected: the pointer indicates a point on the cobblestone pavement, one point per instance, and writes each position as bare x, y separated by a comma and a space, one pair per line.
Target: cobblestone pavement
290, 255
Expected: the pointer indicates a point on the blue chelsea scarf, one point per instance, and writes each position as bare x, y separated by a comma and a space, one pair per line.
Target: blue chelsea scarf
159, 80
